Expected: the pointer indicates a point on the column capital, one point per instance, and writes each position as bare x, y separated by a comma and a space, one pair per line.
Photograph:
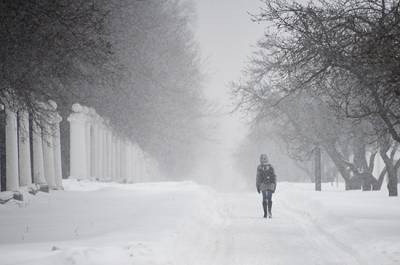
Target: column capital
57, 118
78, 117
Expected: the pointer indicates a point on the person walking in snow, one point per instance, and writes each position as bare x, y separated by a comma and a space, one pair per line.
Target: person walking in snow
266, 184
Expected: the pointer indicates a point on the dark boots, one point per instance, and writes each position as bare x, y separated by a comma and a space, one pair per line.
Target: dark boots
270, 209
265, 207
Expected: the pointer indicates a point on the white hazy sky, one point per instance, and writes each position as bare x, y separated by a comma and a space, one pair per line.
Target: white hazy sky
227, 37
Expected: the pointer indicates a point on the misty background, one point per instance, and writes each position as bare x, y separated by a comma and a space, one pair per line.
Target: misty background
228, 37
159, 72
131, 132
205, 87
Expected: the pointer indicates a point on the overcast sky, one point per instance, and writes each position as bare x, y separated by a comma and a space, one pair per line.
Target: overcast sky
227, 37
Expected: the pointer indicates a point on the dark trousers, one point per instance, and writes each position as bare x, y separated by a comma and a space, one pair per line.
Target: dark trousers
267, 195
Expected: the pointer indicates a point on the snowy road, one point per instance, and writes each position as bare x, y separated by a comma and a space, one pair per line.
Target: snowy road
188, 224
288, 238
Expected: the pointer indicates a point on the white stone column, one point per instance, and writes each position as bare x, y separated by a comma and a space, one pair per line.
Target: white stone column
113, 158
24, 156
98, 149
103, 165
48, 154
122, 159
1, 165
49, 135
146, 169
104, 152
57, 151
135, 162
144, 166
38, 168
94, 150
128, 159
108, 154
78, 162
88, 142
118, 159
12, 178
140, 165
150, 168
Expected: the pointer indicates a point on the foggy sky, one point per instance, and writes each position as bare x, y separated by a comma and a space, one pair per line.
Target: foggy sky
227, 37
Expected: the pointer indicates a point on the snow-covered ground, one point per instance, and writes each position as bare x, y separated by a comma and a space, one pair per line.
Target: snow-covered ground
185, 223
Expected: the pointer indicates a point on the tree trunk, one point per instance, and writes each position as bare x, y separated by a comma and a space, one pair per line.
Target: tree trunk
340, 165
392, 175
318, 169
381, 178
392, 182
369, 182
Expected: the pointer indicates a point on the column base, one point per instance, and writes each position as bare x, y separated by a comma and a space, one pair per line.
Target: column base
11, 195
6, 196
18, 196
44, 188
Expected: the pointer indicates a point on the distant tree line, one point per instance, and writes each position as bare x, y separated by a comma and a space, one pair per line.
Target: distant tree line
327, 75
297, 167
135, 62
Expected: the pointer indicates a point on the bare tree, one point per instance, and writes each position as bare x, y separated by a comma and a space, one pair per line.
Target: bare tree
351, 43
135, 62
50, 50
159, 103
344, 53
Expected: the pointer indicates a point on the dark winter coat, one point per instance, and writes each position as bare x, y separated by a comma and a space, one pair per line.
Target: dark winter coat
266, 179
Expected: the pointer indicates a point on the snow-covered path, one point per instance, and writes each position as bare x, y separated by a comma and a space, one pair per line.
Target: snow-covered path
188, 224
288, 238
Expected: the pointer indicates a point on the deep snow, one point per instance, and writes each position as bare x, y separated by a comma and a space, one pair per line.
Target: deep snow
185, 223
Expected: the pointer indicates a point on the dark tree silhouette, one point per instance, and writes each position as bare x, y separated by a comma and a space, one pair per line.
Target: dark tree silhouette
345, 53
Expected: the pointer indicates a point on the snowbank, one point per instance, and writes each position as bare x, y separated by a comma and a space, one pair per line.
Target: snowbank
183, 223
108, 223
365, 224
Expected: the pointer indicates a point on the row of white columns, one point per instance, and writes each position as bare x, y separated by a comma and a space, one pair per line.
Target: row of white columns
98, 153
46, 149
